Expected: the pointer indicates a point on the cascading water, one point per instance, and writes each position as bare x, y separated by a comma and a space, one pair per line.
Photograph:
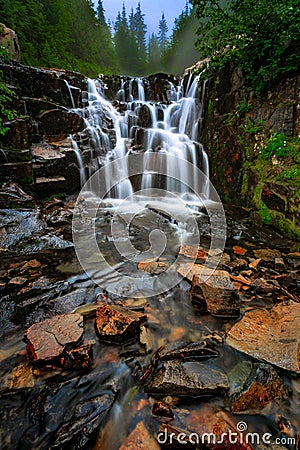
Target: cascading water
169, 129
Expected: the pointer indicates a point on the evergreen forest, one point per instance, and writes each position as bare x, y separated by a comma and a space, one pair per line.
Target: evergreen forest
75, 35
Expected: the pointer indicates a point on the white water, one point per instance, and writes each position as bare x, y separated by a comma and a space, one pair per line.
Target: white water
172, 129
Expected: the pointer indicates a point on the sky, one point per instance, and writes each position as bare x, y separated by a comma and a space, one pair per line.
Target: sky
152, 9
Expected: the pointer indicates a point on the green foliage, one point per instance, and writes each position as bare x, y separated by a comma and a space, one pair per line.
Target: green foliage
260, 36
6, 96
61, 33
265, 215
290, 174
251, 128
277, 145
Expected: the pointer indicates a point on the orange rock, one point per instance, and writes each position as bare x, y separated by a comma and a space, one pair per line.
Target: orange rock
255, 263
140, 439
239, 250
47, 340
270, 335
192, 252
117, 324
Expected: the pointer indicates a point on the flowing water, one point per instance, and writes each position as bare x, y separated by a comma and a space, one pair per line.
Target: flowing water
165, 191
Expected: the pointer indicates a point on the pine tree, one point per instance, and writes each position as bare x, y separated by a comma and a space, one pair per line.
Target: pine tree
163, 34
100, 14
140, 30
154, 63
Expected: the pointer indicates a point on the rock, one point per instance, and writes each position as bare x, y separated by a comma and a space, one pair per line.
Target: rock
188, 378
253, 387
217, 295
79, 358
58, 122
239, 250
192, 252
262, 285
189, 270
205, 428
272, 200
140, 439
185, 350
279, 264
270, 335
48, 339
19, 135
20, 377
162, 409
267, 254
117, 324
12, 194
9, 40
153, 267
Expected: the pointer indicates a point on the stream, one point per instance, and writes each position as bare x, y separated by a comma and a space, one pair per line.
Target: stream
146, 197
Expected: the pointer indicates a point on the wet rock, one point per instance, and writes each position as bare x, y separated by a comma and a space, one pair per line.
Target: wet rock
193, 252
217, 295
239, 250
48, 339
184, 350
216, 429
270, 335
71, 302
262, 285
12, 194
58, 122
18, 172
140, 439
117, 324
152, 267
162, 409
20, 377
19, 135
188, 378
267, 254
272, 200
79, 358
87, 417
253, 387
190, 270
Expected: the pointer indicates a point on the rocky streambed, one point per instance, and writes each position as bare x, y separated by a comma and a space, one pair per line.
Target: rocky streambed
82, 368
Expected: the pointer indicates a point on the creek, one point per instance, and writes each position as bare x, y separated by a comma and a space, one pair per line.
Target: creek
145, 196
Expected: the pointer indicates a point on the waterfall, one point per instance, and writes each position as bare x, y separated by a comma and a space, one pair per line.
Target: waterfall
165, 129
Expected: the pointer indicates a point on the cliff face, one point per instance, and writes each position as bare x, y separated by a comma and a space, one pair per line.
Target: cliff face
253, 144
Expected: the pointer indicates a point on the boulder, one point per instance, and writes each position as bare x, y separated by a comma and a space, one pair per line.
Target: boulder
117, 324
217, 295
140, 439
58, 122
9, 39
188, 378
253, 387
48, 339
270, 335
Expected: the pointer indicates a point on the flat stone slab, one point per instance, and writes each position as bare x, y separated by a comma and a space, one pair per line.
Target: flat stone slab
189, 378
47, 340
189, 270
270, 335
